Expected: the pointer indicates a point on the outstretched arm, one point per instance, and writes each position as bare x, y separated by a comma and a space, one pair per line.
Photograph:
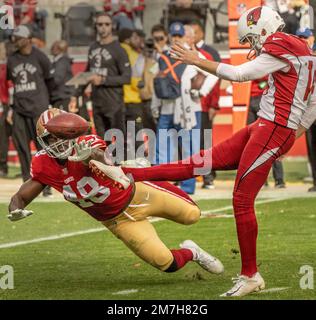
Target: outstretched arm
26, 194
256, 69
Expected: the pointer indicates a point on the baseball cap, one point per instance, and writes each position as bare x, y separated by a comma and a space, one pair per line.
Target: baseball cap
304, 32
22, 31
176, 29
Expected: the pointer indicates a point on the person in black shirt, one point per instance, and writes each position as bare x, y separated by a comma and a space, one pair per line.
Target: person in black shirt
110, 65
30, 71
62, 63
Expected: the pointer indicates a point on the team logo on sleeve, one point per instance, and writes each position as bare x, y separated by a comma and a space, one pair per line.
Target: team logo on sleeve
254, 16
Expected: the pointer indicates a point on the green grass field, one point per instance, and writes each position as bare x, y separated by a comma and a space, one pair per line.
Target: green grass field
98, 266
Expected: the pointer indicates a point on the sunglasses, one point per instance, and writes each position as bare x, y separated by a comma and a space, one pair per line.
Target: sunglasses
100, 24
158, 39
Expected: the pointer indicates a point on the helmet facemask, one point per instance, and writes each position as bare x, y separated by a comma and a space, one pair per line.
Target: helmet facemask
55, 147
255, 45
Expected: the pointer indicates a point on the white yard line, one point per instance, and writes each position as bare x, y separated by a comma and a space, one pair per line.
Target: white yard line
274, 290
50, 238
94, 230
125, 292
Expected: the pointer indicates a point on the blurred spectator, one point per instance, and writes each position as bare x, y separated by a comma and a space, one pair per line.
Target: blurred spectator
145, 85
185, 11
160, 38
131, 42
307, 35
179, 102
126, 13
142, 40
60, 96
209, 103
5, 118
257, 89
200, 42
24, 10
184, 3
111, 70
31, 73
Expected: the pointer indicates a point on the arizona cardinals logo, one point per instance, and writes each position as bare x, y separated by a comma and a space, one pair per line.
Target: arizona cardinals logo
254, 16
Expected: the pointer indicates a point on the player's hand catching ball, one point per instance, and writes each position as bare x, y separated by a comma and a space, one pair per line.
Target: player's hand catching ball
83, 151
19, 214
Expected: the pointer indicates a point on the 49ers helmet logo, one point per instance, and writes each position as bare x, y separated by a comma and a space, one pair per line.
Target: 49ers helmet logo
254, 16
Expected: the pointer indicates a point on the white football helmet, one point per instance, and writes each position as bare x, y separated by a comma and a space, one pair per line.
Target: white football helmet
256, 25
59, 148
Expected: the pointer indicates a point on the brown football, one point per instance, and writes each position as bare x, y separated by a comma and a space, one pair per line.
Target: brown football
197, 81
67, 126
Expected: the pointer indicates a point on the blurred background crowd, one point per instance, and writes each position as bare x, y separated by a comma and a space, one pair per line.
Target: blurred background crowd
124, 45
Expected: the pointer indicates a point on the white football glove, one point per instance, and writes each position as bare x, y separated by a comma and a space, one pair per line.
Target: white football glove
83, 151
19, 214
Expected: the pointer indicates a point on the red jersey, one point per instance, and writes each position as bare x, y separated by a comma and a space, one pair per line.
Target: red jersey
80, 186
286, 99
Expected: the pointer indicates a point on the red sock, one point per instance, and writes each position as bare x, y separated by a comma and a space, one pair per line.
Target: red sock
182, 256
247, 231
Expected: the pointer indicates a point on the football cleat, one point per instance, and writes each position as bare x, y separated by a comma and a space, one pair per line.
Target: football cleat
204, 259
136, 163
245, 285
113, 173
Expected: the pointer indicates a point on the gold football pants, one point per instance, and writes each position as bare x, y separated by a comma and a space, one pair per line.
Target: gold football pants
138, 234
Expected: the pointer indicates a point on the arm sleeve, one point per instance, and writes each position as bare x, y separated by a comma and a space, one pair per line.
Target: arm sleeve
124, 68
309, 116
252, 70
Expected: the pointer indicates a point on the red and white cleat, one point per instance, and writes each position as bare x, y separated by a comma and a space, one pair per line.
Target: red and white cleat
113, 173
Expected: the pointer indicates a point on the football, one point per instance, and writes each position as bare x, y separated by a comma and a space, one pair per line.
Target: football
67, 126
197, 81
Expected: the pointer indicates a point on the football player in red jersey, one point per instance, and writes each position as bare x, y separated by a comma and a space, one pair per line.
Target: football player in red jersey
287, 109
63, 164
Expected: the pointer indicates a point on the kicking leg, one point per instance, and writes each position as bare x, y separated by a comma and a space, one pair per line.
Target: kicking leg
224, 156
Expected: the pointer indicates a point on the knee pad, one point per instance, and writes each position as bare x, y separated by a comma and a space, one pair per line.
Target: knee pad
193, 215
162, 260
